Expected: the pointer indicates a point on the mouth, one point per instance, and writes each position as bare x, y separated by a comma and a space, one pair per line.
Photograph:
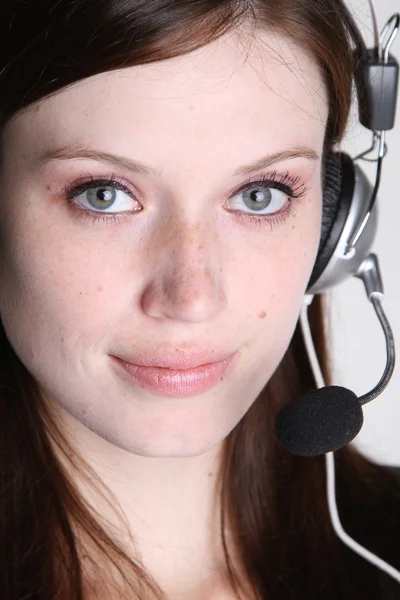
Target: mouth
176, 382
176, 358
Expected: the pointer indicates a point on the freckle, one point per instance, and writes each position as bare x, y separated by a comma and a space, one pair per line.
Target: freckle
62, 339
210, 474
48, 187
293, 227
262, 315
100, 288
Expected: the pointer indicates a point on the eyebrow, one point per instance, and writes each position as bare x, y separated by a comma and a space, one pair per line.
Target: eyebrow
128, 164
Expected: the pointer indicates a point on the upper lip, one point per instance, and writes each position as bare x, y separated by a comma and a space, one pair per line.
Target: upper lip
176, 358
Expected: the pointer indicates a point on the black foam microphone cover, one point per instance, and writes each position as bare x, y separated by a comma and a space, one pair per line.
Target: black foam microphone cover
319, 421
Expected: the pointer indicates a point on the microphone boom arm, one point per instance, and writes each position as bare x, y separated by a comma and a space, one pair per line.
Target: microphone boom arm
369, 273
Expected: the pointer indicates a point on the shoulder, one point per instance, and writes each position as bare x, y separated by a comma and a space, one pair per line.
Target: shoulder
369, 509
389, 588
395, 470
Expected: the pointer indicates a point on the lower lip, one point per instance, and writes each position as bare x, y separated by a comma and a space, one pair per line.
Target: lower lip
177, 383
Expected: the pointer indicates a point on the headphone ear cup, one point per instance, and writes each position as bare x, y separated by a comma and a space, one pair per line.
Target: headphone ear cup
336, 201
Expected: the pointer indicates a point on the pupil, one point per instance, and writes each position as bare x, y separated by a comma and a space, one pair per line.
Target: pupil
256, 198
103, 194
100, 197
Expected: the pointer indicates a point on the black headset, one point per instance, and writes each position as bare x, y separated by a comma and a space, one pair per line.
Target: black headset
325, 419
349, 216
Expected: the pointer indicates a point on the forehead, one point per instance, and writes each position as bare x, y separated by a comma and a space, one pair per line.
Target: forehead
237, 91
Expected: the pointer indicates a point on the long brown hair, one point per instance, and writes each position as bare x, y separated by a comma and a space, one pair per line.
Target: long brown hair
274, 502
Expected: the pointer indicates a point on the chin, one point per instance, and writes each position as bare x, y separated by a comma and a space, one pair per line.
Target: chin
178, 445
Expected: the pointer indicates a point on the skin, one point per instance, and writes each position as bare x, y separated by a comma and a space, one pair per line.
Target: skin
182, 272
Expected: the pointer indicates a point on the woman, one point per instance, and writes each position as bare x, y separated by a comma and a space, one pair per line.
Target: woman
161, 206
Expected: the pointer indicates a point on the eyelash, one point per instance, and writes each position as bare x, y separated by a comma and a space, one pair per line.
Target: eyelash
289, 185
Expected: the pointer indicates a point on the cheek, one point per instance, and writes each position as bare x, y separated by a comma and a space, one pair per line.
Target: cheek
274, 282
52, 293
276, 271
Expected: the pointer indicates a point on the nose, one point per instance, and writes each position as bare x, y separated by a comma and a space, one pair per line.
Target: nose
187, 280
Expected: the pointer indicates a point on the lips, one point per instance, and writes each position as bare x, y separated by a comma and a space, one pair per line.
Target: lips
175, 359
176, 383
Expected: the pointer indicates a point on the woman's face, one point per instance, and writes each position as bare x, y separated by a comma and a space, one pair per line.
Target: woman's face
186, 262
